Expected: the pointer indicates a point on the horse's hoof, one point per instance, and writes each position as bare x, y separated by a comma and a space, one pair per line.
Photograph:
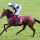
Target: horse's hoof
5, 30
32, 36
0, 34
16, 33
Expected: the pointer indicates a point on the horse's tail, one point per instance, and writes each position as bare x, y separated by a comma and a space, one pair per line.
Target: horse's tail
37, 20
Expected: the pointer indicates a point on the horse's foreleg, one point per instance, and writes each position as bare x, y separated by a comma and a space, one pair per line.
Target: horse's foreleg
2, 32
22, 29
5, 27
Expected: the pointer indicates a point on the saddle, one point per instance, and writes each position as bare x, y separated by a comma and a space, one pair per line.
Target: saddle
17, 20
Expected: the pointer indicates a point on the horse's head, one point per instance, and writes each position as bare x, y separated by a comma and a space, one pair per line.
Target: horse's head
3, 13
6, 12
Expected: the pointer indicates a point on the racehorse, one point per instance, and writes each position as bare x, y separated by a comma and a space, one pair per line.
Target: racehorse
25, 20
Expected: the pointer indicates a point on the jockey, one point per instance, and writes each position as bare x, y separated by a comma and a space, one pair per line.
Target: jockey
16, 7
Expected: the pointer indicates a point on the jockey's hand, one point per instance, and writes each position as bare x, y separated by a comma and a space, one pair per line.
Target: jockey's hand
17, 15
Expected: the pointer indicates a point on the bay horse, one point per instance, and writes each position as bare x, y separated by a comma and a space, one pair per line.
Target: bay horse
26, 20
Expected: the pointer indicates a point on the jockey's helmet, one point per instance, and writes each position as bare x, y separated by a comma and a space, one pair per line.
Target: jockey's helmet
9, 4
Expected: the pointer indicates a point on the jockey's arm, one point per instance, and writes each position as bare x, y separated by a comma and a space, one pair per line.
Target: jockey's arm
15, 11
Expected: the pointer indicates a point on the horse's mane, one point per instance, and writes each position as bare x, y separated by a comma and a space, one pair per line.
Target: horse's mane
9, 11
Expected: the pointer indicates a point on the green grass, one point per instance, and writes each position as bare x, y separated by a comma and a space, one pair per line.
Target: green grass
29, 7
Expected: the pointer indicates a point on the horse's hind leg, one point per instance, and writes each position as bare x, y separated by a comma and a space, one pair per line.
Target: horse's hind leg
32, 30
22, 29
